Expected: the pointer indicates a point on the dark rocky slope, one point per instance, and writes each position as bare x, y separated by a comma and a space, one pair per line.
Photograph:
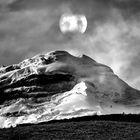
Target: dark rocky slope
110, 127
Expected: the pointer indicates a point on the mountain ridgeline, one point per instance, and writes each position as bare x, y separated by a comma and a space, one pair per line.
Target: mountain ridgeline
57, 86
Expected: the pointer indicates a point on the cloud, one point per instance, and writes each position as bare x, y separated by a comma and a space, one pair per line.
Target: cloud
112, 36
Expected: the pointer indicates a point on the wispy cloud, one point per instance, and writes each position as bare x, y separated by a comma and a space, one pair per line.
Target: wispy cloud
112, 37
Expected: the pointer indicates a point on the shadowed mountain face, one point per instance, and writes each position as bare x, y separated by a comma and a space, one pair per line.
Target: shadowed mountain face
58, 85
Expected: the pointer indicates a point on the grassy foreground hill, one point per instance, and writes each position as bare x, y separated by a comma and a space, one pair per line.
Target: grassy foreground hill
108, 127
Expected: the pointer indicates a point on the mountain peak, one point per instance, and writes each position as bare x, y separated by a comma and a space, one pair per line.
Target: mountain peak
58, 85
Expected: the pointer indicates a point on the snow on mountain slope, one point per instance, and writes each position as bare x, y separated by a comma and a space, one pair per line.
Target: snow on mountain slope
58, 85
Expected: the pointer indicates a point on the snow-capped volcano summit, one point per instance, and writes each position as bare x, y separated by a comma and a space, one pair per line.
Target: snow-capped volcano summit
58, 85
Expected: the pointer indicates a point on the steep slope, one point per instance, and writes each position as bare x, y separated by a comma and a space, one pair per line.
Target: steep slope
58, 85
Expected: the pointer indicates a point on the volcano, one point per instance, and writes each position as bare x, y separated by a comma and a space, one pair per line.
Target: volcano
58, 85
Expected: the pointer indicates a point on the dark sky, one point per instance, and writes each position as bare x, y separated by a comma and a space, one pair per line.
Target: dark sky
29, 27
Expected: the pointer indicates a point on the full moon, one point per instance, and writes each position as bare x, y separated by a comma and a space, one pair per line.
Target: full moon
73, 23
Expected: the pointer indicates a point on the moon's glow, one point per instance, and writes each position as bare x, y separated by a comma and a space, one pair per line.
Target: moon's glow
73, 23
